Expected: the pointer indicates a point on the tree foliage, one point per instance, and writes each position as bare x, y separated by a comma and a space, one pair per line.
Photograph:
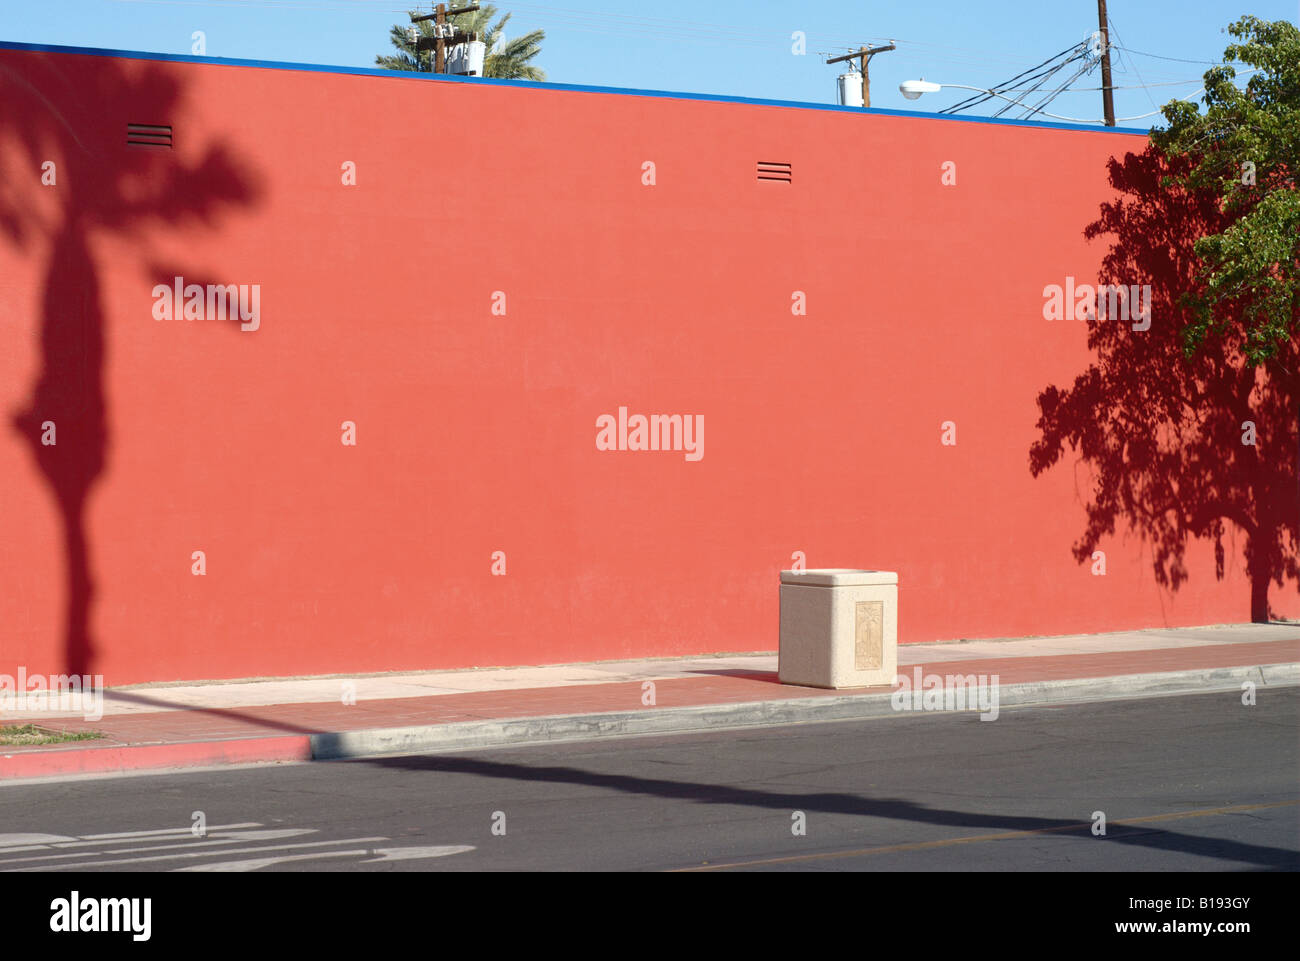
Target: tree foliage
1191, 429
1244, 149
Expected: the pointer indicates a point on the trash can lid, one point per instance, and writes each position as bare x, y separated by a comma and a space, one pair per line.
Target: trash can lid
839, 577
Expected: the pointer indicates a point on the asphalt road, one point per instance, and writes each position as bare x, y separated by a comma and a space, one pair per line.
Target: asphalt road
1185, 783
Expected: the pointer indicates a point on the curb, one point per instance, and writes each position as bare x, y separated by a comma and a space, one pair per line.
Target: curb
468, 735
114, 760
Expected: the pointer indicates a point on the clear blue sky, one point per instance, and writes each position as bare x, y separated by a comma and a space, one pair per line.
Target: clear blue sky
734, 47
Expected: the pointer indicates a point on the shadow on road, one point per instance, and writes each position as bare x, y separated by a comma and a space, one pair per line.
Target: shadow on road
847, 804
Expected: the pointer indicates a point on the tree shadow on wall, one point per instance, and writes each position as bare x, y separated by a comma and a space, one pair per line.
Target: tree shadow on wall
1162, 432
72, 113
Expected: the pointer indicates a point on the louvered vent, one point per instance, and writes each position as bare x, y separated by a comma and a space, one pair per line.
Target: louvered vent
775, 171
148, 135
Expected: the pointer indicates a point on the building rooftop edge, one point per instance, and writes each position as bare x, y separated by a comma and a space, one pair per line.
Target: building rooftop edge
546, 85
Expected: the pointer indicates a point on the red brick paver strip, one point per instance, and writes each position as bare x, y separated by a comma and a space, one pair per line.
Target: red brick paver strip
224, 724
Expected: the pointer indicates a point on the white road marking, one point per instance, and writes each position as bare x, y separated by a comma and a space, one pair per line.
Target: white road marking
122, 835
253, 864
416, 853
12, 843
233, 838
386, 854
59, 852
274, 834
30, 842
194, 854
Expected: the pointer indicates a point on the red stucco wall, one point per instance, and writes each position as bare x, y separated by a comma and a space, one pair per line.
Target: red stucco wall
476, 432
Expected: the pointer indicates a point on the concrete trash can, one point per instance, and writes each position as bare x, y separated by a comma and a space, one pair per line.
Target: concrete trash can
839, 628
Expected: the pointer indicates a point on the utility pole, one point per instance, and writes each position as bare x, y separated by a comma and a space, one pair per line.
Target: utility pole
1107, 96
863, 56
443, 32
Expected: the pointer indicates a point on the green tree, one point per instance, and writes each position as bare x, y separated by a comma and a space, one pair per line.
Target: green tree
1191, 428
1245, 148
512, 61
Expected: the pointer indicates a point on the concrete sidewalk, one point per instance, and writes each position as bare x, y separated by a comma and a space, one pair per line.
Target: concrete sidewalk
166, 726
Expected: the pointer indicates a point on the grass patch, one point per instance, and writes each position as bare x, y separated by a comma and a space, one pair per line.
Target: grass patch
31, 734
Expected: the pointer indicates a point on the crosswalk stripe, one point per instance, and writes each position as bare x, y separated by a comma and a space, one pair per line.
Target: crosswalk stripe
234, 838
385, 854
122, 835
83, 865
253, 864
13, 843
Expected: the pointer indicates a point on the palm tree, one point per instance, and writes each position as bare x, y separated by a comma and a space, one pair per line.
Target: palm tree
508, 61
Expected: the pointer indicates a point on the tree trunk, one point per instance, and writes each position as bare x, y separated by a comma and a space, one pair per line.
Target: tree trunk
1259, 596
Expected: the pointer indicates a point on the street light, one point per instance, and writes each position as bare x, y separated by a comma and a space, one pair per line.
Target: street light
912, 89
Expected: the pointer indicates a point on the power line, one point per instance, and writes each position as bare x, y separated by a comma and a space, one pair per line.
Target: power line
1210, 63
1141, 116
978, 99
1056, 93
1025, 75
1129, 59
1042, 80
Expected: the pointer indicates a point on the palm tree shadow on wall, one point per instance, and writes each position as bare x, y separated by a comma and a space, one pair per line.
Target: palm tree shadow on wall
1161, 432
76, 119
